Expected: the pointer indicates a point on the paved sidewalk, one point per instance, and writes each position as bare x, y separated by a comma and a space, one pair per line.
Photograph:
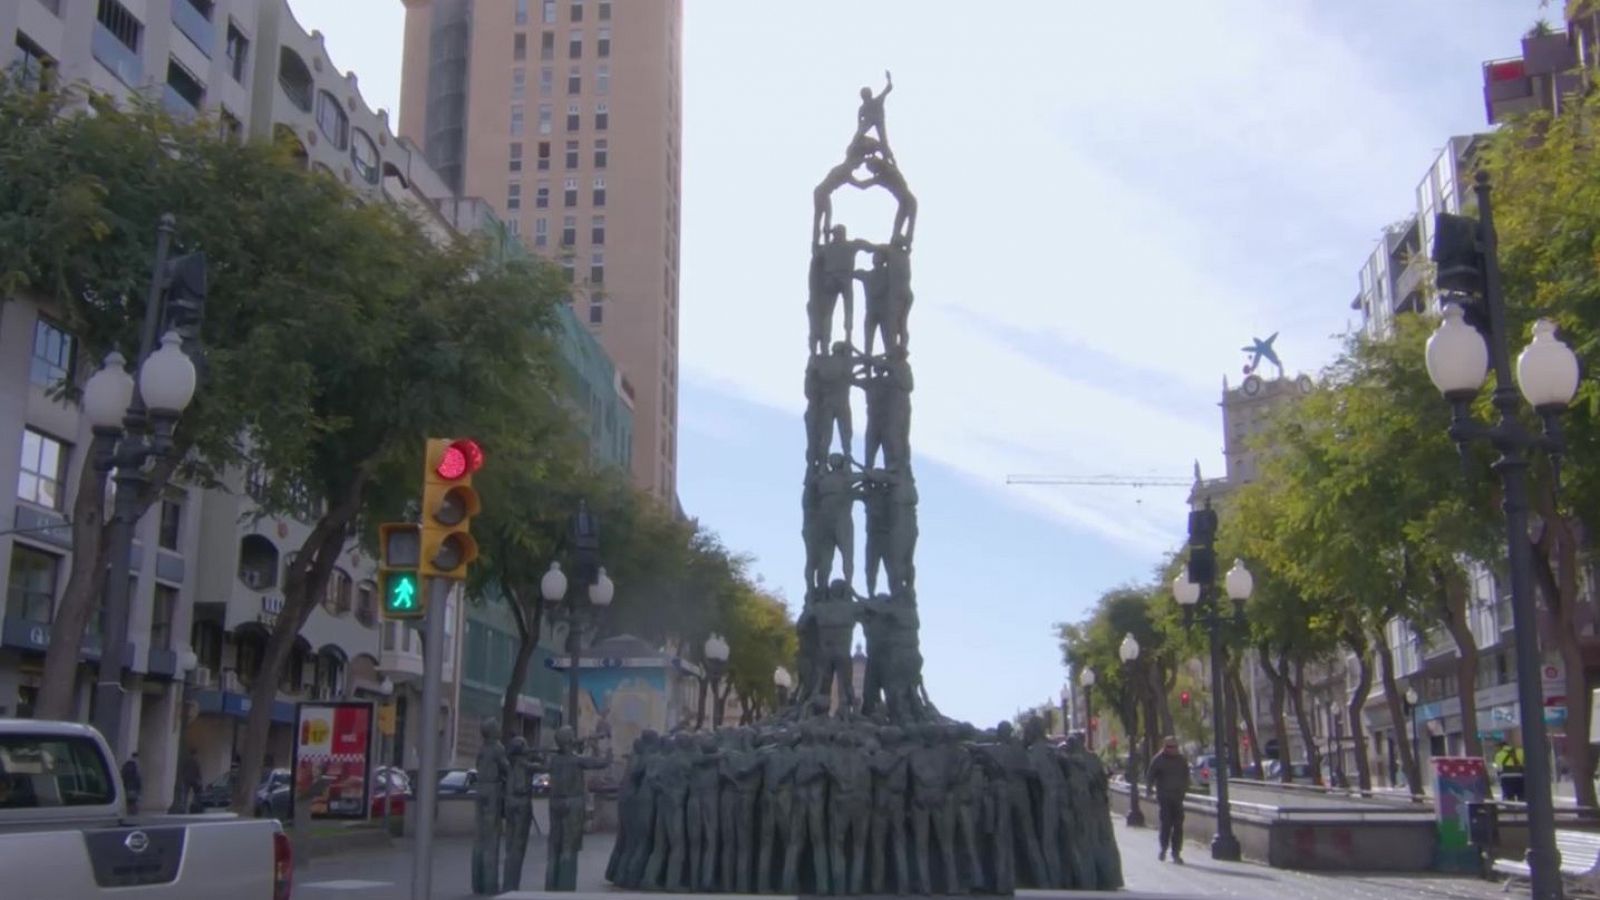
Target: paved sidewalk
1201, 876
387, 874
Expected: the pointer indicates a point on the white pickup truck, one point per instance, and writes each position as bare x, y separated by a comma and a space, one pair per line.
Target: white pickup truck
65, 832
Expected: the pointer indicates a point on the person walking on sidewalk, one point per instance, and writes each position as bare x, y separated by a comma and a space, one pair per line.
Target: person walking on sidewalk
1508, 762
1168, 779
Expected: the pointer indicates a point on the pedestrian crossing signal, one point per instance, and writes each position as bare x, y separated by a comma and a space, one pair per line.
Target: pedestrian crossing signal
399, 582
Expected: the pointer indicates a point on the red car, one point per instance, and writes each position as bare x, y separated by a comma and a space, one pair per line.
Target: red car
399, 791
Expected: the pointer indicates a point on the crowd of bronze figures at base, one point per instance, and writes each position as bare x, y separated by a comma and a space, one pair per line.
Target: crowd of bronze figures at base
849, 805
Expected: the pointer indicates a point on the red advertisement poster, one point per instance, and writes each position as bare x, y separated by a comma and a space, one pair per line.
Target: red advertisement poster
333, 758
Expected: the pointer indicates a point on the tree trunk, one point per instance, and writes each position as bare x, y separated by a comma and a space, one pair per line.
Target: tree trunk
1357, 640
1555, 569
527, 642
1452, 593
1249, 715
304, 583
1393, 698
1166, 679
1297, 699
1279, 721
87, 579
1230, 722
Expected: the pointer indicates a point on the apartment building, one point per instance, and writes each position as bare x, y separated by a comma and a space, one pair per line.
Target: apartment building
569, 111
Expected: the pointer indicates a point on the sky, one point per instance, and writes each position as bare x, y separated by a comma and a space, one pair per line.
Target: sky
1110, 207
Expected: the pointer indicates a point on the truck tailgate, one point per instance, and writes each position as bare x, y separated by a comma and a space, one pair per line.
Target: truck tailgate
229, 859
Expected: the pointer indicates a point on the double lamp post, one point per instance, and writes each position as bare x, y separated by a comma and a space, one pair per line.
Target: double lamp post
1471, 339
567, 608
133, 420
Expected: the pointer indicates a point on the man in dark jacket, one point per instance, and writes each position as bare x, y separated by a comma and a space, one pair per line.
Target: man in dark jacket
1168, 779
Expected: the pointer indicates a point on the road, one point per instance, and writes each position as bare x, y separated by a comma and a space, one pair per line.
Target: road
386, 874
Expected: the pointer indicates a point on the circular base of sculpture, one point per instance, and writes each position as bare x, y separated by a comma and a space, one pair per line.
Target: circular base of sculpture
821, 805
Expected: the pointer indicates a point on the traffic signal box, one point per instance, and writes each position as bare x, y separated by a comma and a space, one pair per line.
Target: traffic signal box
448, 505
399, 554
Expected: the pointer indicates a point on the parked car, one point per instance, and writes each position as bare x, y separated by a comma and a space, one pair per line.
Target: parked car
64, 824
459, 781
219, 793
541, 784
399, 791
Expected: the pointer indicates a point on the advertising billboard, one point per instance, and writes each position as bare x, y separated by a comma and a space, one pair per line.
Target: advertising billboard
333, 758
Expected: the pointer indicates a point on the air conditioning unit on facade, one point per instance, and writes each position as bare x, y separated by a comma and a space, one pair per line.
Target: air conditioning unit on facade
204, 677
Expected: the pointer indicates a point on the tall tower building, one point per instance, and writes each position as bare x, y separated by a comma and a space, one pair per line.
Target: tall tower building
567, 115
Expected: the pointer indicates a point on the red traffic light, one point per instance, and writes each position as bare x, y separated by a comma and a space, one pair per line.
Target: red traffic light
1183, 698
460, 459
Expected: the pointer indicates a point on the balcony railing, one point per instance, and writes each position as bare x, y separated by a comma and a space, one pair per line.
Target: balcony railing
115, 55
191, 22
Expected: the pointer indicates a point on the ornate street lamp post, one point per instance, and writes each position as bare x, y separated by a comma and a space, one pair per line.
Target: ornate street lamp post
1086, 678
715, 654
133, 421
1459, 355
1201, 606
565, 608
1129, 653
783, 681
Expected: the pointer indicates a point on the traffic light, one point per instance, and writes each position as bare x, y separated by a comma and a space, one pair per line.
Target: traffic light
399, 551
448, 505
1183, 699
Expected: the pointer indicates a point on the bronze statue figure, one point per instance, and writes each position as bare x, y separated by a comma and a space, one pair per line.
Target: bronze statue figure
519, 810
701, 814
492, 765
567, 790
668, 850
869, 118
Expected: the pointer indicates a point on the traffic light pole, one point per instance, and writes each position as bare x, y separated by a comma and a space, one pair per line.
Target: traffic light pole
428, 778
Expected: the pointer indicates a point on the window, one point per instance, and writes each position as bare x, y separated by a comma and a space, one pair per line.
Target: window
597, 231
601, 153
51, 771
519, 47
514, 195
548, 15
546, 114
577, 10
171, 523
541, 195
602, 117
31, 589
258, 562
522, 12
366, 604
519, 83
35, 68
597, 312
575, 44
295, 79
43, 466
572, 117
569, 194
123, 25
52, 354
604, 12
516, 226
547, 81
602, 79
515, 154
516, 121
597, 268
566, 272
572, 154
184, 92
574, 81
161, 611
602, 46
541, 233
547, 45
569, 232
364, 156
238, 51
544, 156
599, 190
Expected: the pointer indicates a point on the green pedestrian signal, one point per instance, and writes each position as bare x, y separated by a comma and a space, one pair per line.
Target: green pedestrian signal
400, 594
400, 585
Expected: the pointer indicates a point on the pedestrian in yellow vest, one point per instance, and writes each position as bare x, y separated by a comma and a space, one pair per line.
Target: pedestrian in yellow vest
1508, 762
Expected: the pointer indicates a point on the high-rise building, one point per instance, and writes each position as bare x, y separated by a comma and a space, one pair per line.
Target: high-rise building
569, 112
